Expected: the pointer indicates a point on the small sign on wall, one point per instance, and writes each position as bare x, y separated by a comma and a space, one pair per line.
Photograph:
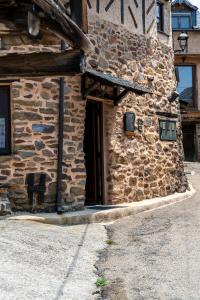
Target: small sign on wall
129, 123
167, 130
140, 125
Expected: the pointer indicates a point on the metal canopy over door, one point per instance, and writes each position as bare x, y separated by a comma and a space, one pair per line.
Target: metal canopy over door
93, 147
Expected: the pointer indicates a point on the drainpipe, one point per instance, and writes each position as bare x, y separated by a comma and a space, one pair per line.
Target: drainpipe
59, 207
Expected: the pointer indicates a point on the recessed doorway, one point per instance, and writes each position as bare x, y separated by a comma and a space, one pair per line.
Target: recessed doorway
93, 147
189, 142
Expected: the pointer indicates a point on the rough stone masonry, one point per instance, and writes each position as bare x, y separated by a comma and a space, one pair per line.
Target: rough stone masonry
35, 139
137, 167
141, 166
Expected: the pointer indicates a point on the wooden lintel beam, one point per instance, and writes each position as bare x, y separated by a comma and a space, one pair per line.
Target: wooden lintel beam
166, 114
99, 99
105, 99
41, 64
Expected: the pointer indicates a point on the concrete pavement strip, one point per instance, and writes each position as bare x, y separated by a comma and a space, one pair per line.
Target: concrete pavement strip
108, 214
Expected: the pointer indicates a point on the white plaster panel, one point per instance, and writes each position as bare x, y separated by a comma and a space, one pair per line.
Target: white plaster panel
133, 11
151, 24
114, 13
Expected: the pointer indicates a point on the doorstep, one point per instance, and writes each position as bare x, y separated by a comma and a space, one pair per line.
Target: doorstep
107, 214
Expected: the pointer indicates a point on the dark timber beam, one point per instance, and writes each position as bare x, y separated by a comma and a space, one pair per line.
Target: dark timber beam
79, 13
41, 64
144, 16
122, 95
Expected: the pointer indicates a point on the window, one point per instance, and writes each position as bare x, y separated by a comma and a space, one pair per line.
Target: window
186, 84
160, 17
167, 130
181, 21
5, 125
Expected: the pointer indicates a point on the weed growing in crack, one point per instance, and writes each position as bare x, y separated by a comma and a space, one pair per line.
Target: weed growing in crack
101, 282
109, 242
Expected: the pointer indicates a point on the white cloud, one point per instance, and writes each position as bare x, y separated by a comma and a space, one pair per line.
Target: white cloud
196, 2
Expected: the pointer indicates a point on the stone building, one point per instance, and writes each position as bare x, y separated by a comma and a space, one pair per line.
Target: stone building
185, 18
117, 137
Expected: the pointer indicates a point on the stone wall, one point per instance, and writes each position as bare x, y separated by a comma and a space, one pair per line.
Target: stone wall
133, 12
137, 167
5, 206
35, 140
140, 166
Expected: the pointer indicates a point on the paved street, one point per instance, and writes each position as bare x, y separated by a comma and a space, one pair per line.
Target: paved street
46, 262
156, 255
153, 255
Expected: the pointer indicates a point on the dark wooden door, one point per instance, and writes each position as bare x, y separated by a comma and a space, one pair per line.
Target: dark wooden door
93, 148
189, 142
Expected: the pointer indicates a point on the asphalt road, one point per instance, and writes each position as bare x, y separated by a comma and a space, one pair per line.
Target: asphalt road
47, 262
155, 255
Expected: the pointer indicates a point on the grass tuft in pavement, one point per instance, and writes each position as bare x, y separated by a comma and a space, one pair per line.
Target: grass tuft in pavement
101, 282
109, 242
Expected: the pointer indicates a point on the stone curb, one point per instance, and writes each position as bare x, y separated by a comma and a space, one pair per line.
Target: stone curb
89, 216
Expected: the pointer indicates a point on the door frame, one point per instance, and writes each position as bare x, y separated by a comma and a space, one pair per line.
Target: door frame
192, 125
103, 152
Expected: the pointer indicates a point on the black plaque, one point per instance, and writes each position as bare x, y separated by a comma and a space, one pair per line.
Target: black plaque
129, 122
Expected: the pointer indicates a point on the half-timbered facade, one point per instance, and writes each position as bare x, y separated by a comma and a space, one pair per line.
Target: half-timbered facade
93, 119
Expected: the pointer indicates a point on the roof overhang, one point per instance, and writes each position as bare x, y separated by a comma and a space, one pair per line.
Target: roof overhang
106, 86
43, 64
186, 3
53, 16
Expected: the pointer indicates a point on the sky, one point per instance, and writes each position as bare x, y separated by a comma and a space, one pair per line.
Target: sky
195, 2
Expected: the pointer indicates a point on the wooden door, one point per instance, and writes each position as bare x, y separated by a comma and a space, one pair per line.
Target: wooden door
93, 147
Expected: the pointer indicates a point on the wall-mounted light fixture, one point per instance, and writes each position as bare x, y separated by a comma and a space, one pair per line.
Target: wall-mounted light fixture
33, 22
183, 42
173, 97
